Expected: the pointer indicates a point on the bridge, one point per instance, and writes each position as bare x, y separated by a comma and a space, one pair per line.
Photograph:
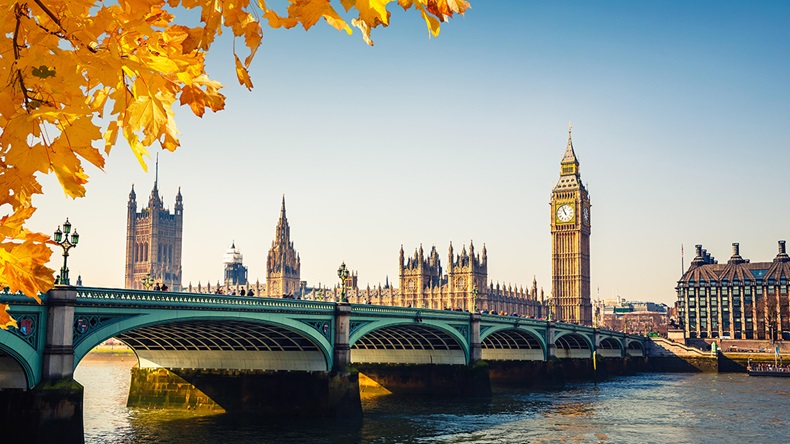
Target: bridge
227, 342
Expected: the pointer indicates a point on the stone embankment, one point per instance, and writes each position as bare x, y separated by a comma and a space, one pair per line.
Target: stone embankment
668, 356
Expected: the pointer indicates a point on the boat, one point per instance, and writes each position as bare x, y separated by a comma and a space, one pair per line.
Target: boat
777, 369
782, 372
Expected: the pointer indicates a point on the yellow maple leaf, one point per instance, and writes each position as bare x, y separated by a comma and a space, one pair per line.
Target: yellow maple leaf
242, 74
372, 12
23, 256
275, 21
5, 319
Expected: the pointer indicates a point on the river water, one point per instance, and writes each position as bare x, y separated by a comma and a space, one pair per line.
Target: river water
648, 408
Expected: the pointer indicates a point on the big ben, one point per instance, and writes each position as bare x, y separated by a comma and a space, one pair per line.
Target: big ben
570, 243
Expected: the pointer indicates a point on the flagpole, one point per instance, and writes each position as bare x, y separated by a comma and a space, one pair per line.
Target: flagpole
682, 260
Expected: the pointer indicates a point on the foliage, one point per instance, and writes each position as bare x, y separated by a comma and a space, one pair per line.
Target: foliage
77, 73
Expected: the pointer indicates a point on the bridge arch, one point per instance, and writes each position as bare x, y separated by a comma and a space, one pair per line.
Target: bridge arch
20, 365
410, 342
512, 344
634, 348
207, 340
609, 348
573, 345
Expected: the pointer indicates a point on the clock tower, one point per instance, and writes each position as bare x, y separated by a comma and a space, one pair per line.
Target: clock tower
570, 243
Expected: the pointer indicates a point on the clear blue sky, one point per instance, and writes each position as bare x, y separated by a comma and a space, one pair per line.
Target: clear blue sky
680, 113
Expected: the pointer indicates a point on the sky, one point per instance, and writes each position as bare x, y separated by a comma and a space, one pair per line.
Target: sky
680, 116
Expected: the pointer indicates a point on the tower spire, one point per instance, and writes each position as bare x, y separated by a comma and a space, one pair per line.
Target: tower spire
570, 155
156, 175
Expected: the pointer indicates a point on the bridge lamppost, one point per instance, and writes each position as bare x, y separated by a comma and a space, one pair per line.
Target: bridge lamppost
342, 273
550, 307
148, 281
66, 243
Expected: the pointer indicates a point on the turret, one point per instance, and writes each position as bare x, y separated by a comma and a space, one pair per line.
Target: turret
179, 208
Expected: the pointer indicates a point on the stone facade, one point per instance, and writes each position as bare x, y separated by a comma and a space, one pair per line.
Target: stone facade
283, 264
570, 243
737, 300
153, 241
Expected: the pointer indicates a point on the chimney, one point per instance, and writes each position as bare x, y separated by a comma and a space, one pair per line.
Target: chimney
782, 256
699, 257
736, 256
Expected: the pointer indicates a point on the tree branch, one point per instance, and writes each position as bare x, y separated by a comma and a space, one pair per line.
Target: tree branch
19, 12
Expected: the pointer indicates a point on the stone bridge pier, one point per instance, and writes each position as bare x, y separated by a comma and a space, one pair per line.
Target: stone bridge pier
296, 388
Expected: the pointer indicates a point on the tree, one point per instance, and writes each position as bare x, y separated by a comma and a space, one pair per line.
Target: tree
77, 73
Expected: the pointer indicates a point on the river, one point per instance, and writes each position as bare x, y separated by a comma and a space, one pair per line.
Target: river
648, 408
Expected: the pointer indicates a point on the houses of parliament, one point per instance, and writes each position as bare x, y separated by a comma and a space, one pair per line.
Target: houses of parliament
153, 253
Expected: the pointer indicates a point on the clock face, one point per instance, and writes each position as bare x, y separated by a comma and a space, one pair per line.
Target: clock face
411, 284
586, 215
565, 213
460, 282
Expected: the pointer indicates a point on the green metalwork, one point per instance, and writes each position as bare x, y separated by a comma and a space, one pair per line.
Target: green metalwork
84, 323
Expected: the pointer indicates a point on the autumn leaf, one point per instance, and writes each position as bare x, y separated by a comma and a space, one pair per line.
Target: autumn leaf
23, 255
5, 319
242, 74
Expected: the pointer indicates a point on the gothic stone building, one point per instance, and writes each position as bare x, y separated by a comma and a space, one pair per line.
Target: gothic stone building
153, 241
283, 263
465, 286
740, 299
570, 243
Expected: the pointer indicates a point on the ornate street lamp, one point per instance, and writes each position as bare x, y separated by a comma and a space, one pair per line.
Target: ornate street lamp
342, 273
148, 281
474, 298
62, 238
550, 306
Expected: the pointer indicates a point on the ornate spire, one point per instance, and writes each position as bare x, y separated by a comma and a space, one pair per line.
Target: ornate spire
132, 194
570, 155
